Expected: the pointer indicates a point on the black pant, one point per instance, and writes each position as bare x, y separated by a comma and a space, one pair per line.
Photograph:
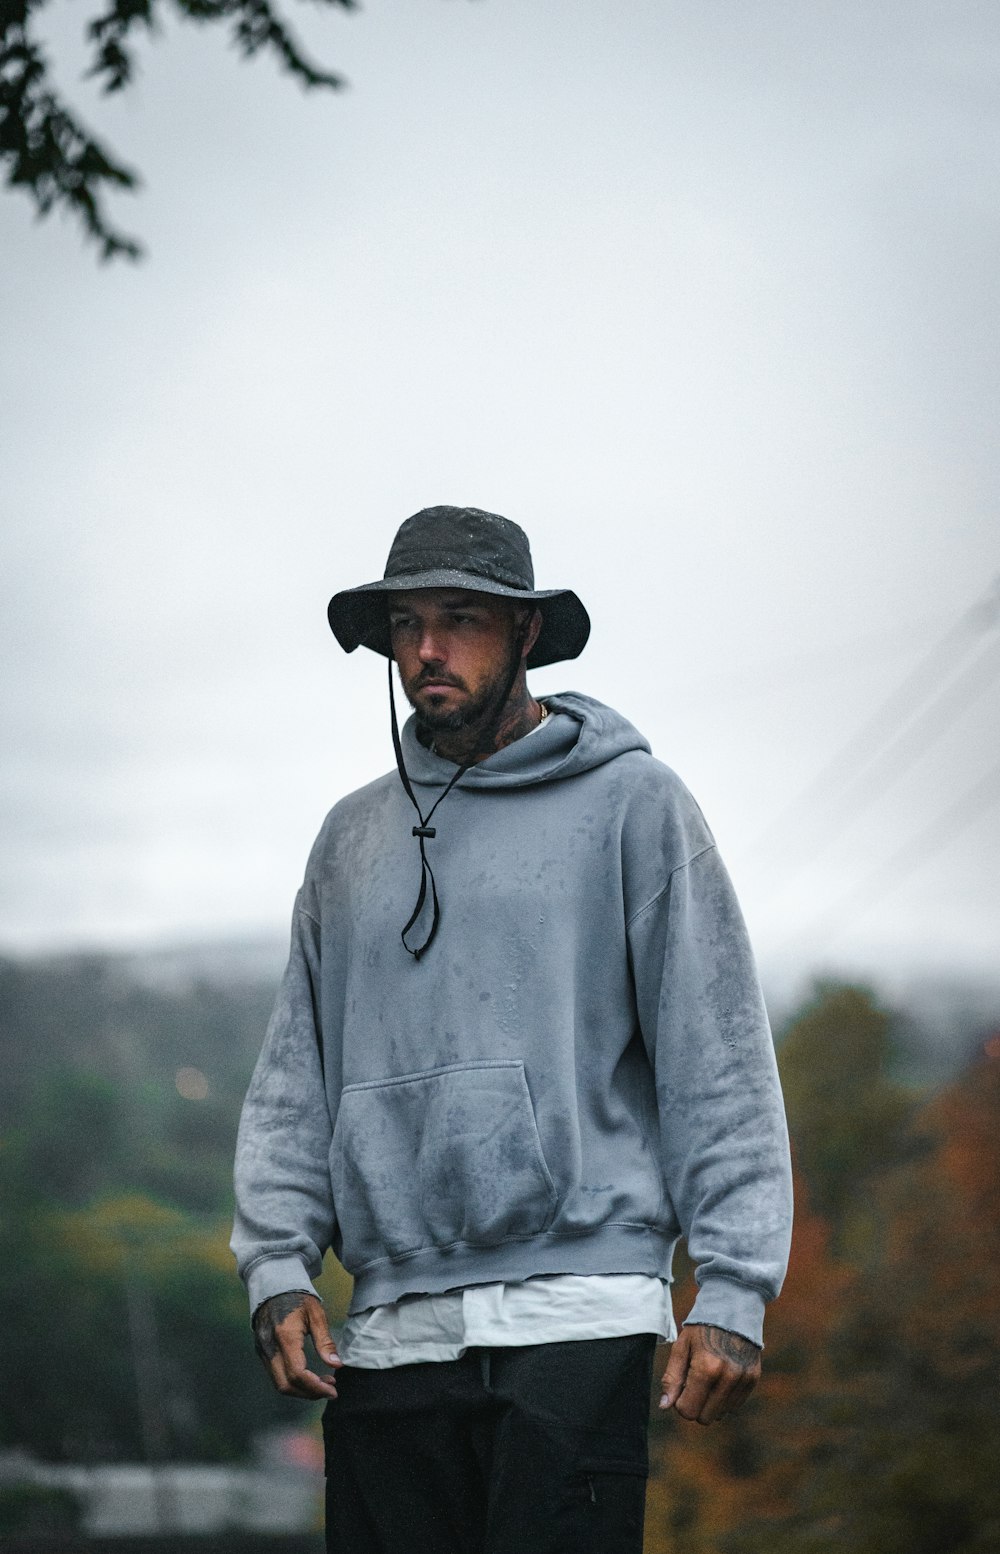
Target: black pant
532, 1450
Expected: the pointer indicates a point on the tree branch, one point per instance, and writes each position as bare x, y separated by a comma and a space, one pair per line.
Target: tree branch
50, 153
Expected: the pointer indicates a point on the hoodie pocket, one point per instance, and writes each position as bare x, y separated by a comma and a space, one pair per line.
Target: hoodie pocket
430, 1159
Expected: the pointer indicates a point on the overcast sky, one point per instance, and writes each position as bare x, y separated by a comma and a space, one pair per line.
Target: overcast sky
705, 296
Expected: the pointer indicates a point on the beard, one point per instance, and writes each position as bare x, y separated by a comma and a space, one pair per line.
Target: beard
478, 712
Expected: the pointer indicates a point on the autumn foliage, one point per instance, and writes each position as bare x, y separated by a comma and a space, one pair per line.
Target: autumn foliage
877, 1426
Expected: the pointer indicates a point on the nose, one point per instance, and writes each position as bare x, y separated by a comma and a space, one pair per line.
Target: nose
430, 650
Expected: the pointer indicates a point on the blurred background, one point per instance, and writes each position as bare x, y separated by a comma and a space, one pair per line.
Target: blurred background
706, 298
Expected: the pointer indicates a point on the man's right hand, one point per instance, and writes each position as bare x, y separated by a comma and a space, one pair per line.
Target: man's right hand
280, 1328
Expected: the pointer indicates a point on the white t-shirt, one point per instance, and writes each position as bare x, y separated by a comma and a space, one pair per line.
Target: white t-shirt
553, 1309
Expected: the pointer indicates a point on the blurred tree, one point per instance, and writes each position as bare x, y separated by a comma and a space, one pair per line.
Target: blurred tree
845, 1111
877, 1422
29, 1511
913, 1462
114, 1227
88, 1016
707, 1484
46, 148
105, 1300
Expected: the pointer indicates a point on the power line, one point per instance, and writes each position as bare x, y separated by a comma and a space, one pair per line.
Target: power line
758, 677
931, 840
894, 759
894, 714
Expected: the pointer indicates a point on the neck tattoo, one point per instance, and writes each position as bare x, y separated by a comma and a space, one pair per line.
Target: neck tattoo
543, 713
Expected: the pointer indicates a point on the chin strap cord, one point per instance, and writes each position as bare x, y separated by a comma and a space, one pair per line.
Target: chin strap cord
425, 832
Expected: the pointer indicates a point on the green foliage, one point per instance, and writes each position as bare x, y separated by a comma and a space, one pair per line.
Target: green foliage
67, 1259
845, 1112
29, 1510
52, 155
115, 1200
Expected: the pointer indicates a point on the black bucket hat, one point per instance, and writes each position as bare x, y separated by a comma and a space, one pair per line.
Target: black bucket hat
460, 547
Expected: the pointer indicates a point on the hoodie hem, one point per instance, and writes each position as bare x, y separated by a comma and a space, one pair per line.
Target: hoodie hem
615, 1248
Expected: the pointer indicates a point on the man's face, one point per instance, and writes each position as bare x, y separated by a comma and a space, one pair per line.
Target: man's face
455, 650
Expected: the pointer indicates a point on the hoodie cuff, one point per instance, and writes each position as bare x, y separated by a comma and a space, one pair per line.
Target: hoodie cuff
736, 1307
276, 1275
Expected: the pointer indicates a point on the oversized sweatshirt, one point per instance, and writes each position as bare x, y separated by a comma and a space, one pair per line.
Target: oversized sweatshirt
578, 1072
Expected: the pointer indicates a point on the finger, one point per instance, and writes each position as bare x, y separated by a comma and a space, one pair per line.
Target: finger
695, 1394
677, 1368
300, 1380
741, 1392
292, 1377
706, 1372
276, 1371
715, 1405
728, 1395
320, 1332
307, 1384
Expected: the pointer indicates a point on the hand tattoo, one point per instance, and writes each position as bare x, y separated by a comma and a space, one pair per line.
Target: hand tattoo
731, 1346
268, 1316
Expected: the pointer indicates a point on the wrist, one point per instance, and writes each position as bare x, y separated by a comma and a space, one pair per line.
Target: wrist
278, 1294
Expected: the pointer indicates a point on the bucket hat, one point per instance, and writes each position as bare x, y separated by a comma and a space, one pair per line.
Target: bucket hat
460, 547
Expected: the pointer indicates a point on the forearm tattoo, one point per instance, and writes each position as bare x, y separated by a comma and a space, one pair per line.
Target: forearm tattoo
731, 1346
269, 1315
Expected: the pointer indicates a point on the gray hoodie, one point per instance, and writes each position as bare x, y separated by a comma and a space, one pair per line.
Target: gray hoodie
577, 1072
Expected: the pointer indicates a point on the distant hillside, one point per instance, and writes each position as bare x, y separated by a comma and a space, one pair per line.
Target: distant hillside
137, 1018
940, 1018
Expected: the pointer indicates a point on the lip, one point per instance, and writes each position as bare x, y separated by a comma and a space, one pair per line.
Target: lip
437, 686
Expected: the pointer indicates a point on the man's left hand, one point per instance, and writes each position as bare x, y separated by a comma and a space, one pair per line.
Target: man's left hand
710, 1373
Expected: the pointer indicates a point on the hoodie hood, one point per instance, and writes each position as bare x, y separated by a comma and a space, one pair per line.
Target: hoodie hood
579, 734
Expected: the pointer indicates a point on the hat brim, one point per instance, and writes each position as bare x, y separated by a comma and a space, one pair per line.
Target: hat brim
359, 617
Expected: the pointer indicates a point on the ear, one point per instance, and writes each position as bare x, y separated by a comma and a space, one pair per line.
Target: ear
534, 626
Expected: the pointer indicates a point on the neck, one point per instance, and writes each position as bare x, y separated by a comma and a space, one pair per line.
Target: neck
469, 746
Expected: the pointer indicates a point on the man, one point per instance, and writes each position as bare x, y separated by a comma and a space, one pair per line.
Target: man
519, 1049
